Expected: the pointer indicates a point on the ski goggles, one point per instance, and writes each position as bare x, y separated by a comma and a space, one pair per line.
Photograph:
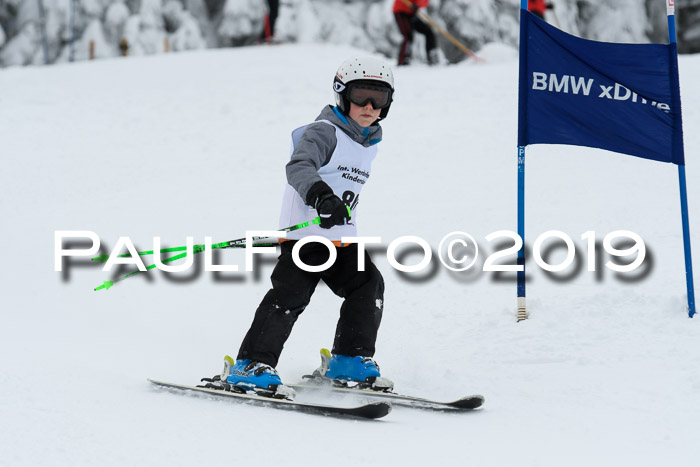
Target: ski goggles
361, 93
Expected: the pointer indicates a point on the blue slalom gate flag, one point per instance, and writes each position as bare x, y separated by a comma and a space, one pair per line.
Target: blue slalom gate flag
620, 97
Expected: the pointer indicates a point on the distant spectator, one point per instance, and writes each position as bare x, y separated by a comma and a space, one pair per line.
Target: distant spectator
408, 22
268, 33
538, 7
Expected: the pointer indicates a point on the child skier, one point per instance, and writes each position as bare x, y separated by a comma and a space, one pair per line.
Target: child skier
330, 162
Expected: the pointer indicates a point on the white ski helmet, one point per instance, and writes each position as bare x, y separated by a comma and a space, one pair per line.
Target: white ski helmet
368, 70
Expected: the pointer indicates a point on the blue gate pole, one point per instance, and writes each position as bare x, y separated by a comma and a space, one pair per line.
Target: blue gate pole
522, 310
670, 13
686, 242
522, 124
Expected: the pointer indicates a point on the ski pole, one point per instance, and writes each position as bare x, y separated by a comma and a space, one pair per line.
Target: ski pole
238, 243
107, 284
427, 19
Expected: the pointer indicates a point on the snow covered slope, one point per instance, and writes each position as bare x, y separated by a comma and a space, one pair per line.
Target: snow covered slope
606, 371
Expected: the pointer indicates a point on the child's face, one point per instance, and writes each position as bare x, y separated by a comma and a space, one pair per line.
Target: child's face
364, 116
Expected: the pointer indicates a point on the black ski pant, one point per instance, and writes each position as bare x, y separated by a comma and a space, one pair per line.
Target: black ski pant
292, 288
270, 19
407, 24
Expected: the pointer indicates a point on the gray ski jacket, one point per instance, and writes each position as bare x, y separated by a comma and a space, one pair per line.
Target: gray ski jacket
317, 144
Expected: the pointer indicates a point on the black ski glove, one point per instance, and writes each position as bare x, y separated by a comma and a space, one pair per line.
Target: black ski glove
330, 208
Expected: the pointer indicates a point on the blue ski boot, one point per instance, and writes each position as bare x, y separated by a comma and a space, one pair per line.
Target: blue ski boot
255, 376
361, 370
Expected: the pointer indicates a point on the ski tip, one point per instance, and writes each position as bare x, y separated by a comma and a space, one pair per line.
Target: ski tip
387, 404
105, 285
326, 353
386, 408
370, 410
469, 402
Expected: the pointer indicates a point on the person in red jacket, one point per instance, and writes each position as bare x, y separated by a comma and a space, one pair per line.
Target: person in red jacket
408, 22
539, 6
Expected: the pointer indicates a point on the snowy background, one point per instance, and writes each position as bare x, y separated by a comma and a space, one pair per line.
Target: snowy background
606, 371
55, 31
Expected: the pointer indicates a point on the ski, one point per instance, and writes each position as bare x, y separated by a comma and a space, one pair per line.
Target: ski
317, 383
377, 389
370, 410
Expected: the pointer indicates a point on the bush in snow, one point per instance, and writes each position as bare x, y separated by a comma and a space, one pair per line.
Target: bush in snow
242, 22
115, 20
20, 49
30, 34
187, 36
